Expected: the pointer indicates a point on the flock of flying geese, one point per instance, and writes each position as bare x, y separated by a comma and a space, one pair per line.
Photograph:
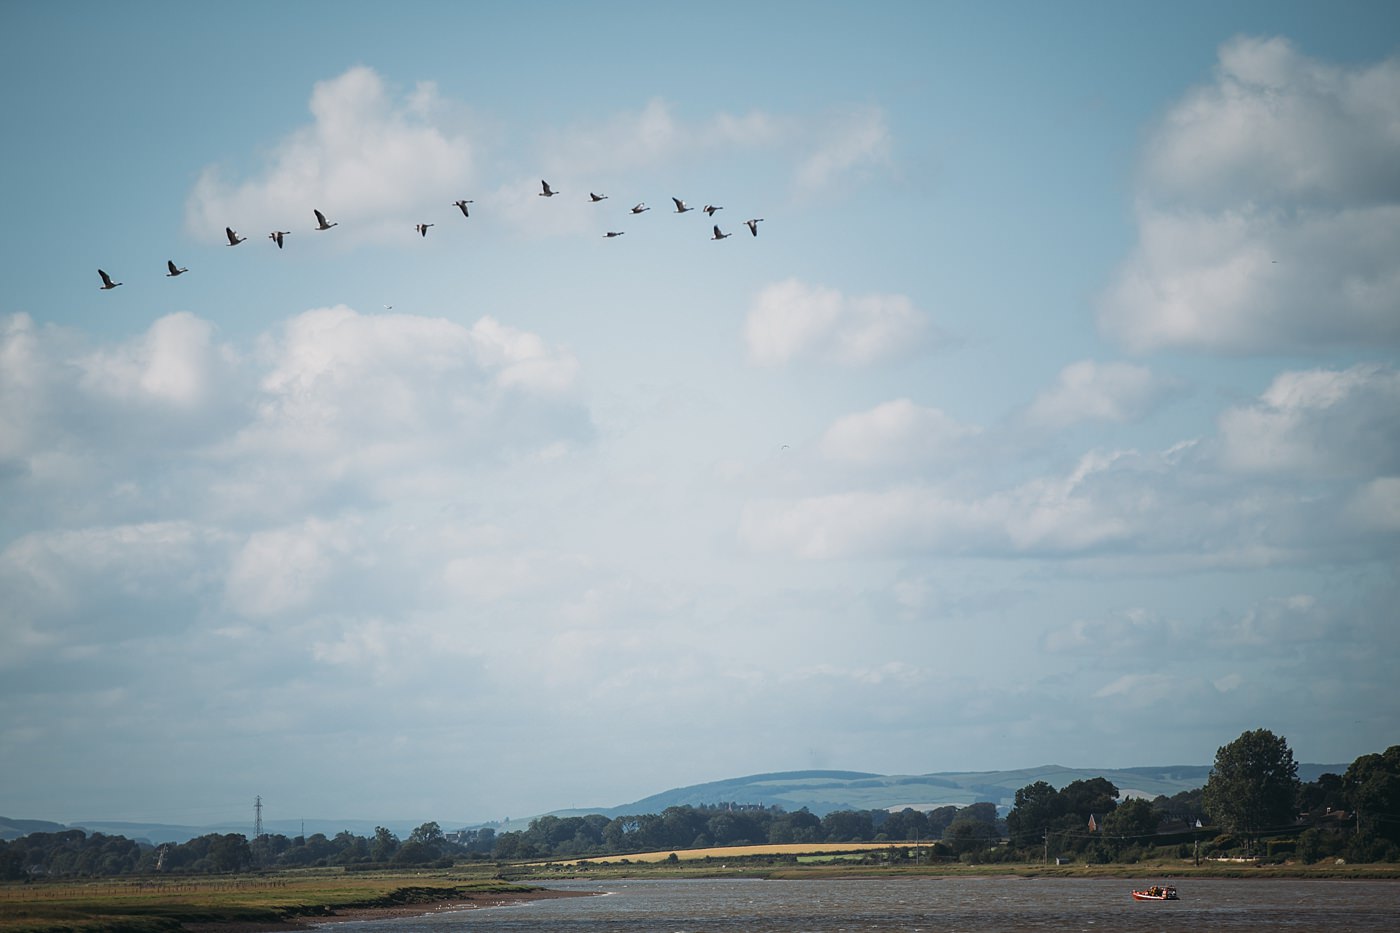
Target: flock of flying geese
322, 224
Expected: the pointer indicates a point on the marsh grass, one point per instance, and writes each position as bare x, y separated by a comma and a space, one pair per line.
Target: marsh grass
165, 904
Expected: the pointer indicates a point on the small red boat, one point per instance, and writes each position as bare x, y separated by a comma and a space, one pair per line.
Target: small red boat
1156, 893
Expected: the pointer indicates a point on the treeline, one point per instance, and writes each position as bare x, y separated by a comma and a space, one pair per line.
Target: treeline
1252, 804
686, 827
76, 853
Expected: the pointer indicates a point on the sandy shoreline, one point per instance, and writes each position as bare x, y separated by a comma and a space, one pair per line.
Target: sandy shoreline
469, 902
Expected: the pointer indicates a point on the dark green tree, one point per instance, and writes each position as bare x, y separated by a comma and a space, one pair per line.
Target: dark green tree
384, 846
1132, 823
1371, 787
1037, 808
1253, 785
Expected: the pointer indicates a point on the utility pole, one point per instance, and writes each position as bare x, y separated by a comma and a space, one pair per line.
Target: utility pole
1046, 840
257, 817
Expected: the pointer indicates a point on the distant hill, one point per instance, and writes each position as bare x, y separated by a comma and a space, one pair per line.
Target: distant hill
157, 833
824, 791
13, 829
818, 791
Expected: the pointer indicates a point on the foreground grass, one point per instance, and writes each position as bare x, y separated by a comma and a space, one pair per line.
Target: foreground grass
166, 905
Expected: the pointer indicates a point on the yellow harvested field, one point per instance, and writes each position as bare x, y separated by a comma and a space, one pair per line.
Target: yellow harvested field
798, 848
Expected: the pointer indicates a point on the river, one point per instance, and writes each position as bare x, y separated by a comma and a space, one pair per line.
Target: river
926, 905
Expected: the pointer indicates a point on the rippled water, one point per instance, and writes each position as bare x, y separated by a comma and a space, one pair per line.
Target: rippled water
928, 904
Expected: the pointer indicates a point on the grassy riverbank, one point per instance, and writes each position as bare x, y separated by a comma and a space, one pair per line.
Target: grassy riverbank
291, 900
241, 903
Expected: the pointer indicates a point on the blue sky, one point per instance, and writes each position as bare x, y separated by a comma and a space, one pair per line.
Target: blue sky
1053, 414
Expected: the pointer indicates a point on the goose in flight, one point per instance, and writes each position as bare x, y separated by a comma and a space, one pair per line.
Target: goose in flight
423, 228
233, 238
710, 209
718, 235
170, 264
106, 281
547, 192
321, 220
463, 206
595, 198
753, 225
612, 233
277, 235
641, 206
680, 206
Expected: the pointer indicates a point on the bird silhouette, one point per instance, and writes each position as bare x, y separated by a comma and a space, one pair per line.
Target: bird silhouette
547, 192
641, 206
106, 281
612, 233
277, 235
321, 220
680, 206
718, 235
233, 238
423, 228
710, 209
595, 198
170, 263
463, 206
753, 225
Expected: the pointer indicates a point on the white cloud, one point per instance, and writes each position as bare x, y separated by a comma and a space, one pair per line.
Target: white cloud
1301, 473
66, 589
1054, 515
655, 135
1090, 391
1269, 212
385, 399
896, 433
827, 150
283, 569
790, 320
855, 142
175, 363
1318, 423
366, 160
333, 404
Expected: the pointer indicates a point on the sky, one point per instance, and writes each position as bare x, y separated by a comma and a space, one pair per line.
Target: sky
1051, 416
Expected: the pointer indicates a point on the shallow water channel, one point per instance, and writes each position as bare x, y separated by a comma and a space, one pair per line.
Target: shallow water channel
935, 905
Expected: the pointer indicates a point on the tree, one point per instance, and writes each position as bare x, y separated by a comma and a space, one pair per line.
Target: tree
1132, 823
1037, 808
384, 846
1253, 785
1371, 786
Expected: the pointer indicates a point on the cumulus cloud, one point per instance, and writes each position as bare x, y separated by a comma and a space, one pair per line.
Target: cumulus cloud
791, 319
826, 150
1091, 391
373, 159
1306, 469
896, 433
1051, 515
1268, 212
367, 158
332, 403
358, 397
1318, 423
